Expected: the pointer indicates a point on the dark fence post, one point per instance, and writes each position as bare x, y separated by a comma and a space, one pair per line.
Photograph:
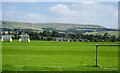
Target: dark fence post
96, 55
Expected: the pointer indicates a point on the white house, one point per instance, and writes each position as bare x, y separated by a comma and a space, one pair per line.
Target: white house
7, 38
24, 38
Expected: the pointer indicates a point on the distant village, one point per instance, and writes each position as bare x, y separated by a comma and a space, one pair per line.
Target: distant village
25, 35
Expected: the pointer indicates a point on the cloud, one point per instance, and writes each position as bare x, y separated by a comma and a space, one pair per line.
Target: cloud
0, 15
86, 12
88, 2
98, 13
13, 7
14, 15
78, 12
21, 0
63, 10
58, 0
60, 9
0, 11
35, 17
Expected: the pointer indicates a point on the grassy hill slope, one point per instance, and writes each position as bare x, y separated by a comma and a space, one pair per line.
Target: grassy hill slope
58, 26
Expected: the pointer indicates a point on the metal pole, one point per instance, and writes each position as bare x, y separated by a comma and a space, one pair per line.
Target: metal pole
96, 55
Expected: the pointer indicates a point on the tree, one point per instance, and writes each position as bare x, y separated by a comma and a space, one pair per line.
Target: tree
56, 34
118, 39
106, 36
46, 34
113, 38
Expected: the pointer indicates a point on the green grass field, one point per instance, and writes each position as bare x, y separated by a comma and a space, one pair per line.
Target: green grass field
57, 56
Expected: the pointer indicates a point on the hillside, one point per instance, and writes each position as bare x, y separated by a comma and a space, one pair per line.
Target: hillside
58, 26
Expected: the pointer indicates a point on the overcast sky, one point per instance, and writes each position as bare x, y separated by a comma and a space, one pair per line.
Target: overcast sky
83, 12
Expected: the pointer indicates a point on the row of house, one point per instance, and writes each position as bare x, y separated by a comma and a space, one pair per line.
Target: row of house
66, 39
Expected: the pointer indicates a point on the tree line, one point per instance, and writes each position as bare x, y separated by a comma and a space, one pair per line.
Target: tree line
49, 34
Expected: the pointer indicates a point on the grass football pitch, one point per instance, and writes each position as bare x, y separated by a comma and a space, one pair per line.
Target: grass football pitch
58, 56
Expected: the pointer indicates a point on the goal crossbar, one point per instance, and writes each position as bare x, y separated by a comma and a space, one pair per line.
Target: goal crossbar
107, 44
97, 45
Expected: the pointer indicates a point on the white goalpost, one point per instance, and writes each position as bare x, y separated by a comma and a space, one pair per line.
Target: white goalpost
97, 46
7, 38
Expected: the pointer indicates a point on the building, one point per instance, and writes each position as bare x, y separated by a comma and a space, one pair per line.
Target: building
7, 38
24, 38
66, 39
57, 38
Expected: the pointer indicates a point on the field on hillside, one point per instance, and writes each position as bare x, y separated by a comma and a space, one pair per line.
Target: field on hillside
57, 56
103, 32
